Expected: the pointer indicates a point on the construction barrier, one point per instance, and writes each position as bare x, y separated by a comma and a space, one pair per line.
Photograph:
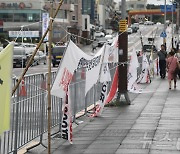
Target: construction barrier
29, 117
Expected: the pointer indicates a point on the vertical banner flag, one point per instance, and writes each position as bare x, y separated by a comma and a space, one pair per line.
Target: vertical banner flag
66, 126
5, 86
45, 24
114, 87
145, 72
73, 58
132, 72
104, 78
113, 51
101, 102
93, 69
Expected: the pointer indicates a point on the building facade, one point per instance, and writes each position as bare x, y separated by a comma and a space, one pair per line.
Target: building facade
105, 12
16, 15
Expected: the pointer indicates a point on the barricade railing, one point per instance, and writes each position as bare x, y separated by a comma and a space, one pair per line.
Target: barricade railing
29, 116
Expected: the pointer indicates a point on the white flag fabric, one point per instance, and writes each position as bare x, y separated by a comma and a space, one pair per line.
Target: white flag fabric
72, 58
132, 71
112, 51
105, 72
145, 72
93, 69
105, 76
66, 126
101, 102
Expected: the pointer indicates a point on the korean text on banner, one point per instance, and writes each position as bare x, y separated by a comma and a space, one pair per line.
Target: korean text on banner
67, 119
72, 59
5, 86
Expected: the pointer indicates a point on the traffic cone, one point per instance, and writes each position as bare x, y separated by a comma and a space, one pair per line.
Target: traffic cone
23, 89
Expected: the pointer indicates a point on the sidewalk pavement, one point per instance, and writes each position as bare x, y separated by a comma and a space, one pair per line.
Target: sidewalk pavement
150, 125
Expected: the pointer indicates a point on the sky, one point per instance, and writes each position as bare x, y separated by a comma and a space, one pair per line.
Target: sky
157, 2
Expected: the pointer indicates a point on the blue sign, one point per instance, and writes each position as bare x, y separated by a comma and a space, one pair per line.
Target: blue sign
163, 34
169, 8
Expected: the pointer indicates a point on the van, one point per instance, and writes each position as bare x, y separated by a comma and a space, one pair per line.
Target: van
57, 54
149, 48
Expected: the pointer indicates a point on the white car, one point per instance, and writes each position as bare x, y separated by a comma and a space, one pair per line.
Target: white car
109, 39
99, 34
129, 30
148, 23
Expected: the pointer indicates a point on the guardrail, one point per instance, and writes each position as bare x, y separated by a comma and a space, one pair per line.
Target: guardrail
29, 117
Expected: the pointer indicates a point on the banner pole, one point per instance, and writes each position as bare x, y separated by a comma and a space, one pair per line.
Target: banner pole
49, 75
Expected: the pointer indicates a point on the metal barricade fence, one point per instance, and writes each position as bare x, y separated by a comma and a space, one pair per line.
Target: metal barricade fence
29, 117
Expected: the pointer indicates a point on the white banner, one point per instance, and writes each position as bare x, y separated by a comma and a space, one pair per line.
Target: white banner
145, 72
101, 102
104, 77
132, 71
45, 24
66, 126
112, 52
73, 58
93, 69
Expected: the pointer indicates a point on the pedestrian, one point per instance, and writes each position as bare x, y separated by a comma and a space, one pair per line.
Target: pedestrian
175, 42
178, 56
172, 64
162, 61
94, 45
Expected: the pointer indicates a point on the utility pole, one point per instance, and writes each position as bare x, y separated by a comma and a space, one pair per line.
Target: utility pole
172, 23
164, 39
123, 54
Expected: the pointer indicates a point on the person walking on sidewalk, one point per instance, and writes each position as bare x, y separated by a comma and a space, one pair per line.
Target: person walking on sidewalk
172, 64
162, 61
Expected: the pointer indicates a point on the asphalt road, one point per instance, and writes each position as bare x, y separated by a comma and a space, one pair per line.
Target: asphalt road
134, 42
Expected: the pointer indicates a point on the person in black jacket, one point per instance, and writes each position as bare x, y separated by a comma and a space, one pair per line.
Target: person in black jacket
162, 61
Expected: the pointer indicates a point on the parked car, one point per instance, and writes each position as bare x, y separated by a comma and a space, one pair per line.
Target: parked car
101, 41
158, 23
57, 54
40, 57
148, 23
28, 47
149, 47
134, 28
20, 57
98, 34
109, 39
129, 30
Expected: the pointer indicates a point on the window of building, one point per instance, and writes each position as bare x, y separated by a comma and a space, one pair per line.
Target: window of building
140, 6
62, 14
73, 17
6, 17
87, 7
30, 17
132, 6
